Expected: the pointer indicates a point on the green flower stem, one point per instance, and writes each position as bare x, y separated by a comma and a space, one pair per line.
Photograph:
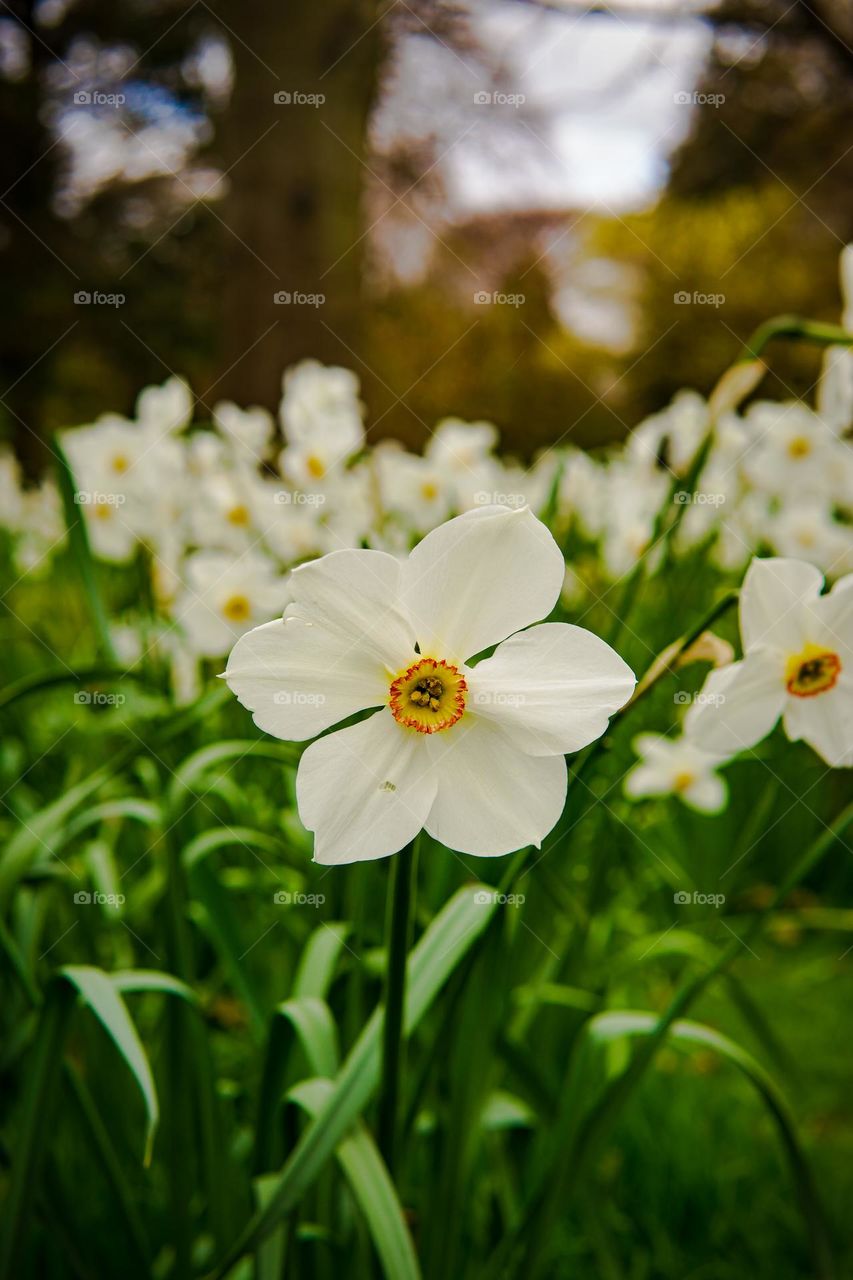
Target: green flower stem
662, 666
827, 335
398, 930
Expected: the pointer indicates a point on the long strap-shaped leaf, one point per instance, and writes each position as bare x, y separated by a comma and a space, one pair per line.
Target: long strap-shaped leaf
78, 541
102, 996
443, 945
40, 829
605, 1029
371, 1186
101, 992
615, 1024
39, 1098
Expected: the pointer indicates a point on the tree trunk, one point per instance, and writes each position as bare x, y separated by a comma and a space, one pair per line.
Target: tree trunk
296, 173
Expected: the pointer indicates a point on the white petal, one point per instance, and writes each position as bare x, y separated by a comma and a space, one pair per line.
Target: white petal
740, 705
774, 603
708, 794
297, 679
647, 780
365, 791
356, 594
825, 722
476, 579
491, 797
835, 612
655, 747
554, 687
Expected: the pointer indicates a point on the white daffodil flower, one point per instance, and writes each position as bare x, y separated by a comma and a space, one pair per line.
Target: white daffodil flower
798, 664
473, 754
414, 489
321, 416
807, 531
166, 409
248, 431
792, 451
223, 597
668, 441
677, 767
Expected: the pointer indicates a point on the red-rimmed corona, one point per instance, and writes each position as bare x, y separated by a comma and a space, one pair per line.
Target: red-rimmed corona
428, 696
797, 664
813, 671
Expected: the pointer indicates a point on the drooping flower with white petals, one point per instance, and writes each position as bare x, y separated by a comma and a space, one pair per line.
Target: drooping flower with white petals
472, 753
676, 767
797, 664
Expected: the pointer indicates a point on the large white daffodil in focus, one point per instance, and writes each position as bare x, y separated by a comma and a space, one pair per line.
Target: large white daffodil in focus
797, 663
474, 754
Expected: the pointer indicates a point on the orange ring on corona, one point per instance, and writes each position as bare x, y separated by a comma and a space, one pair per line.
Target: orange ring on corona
428, 696
812, 672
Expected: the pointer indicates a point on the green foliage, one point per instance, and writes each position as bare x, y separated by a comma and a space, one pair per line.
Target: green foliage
168, 951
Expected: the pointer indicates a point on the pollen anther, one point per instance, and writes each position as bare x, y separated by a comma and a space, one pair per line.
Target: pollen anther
428, 696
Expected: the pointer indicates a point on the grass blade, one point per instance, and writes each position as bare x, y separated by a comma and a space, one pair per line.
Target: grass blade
371, 1186
39, 1099
99, 993
444, 944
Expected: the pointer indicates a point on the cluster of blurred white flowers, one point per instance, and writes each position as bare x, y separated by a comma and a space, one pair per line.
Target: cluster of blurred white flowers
219, 510
777, 478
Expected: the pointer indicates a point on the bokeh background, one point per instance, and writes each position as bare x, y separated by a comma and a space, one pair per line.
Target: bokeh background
598, 161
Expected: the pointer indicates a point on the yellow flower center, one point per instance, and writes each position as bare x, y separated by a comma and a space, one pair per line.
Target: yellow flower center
315, 466
799, 447
237, 609
102, 511
429, 490
428, 696
239, 516
682, 781
120, 464
811, 672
